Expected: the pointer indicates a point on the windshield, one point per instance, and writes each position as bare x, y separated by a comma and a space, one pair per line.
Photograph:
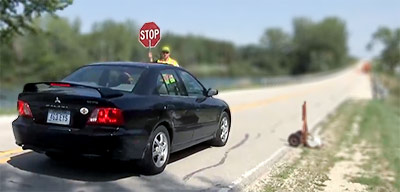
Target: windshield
122, 78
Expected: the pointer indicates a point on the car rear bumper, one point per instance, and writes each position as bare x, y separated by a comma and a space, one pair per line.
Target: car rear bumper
111, 142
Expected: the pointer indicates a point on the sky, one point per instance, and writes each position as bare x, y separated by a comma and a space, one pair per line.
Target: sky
242, 22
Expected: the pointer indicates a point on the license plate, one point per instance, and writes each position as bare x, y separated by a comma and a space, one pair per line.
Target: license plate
61, 117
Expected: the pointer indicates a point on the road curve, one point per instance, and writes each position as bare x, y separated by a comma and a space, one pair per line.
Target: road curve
262, 119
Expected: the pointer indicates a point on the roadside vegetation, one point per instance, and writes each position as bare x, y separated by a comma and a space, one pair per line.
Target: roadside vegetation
380, 130
381, 126
8, 111
58, 46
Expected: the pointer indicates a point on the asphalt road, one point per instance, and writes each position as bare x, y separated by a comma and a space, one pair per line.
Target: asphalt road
262, 119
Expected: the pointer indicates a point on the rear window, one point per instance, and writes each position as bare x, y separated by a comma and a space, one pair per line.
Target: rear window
120, 78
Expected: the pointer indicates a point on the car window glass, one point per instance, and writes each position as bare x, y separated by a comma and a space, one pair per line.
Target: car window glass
114, 77
92, 76
161, 87
192, 86
121, 79
171, 82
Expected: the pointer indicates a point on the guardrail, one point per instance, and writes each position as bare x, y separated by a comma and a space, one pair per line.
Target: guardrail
379, 91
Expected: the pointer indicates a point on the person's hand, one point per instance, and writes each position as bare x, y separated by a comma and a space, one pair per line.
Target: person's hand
151, 56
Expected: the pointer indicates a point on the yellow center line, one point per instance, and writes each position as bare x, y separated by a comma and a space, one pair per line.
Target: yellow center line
12, 151
6, 155
4, 160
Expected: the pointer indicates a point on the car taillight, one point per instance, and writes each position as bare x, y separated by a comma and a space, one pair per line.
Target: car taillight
24, 109
106, 116
60, 84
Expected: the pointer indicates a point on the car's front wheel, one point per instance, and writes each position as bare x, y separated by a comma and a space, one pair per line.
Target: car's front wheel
222, 134
157, 152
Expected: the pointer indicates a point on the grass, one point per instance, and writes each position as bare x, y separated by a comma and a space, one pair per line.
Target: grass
286, 172
381, 128
373, 182
269, 189
8, 111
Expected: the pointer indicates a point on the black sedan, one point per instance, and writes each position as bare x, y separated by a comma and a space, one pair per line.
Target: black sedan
121, 110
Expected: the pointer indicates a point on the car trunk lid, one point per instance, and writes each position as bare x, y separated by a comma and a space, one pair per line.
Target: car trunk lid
65, 104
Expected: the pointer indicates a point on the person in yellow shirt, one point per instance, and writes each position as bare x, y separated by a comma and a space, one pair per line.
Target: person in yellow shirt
165, 57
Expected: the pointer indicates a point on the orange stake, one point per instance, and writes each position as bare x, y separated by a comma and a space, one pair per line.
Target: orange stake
305, 128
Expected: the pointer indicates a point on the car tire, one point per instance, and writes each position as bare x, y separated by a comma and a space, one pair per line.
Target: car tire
157, 152
222, 133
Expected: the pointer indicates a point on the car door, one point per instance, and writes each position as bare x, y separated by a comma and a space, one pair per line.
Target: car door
205, 108
180, 109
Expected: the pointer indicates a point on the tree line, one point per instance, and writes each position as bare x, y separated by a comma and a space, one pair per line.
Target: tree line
60, 47
389, 58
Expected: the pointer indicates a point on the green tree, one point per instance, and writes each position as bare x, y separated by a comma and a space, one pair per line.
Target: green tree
390, 39
18, 15
319, 46
276, 39
47, 55
112, 41
191, 51
277, 47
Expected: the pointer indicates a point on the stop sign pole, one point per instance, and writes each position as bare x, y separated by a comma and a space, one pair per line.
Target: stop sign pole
149, 35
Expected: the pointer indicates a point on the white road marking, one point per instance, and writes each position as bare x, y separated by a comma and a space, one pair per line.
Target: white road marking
251, 171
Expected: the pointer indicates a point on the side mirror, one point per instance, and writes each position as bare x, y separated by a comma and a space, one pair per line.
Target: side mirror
212, 92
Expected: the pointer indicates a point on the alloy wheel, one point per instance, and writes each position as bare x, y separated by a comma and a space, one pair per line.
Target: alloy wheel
224, 129
160, 149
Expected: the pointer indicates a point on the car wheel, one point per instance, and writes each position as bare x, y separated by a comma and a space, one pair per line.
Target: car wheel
157, 152
294, 139
222, 134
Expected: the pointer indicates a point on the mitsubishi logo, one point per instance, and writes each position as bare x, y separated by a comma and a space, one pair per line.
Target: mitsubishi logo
57, 100
84, 110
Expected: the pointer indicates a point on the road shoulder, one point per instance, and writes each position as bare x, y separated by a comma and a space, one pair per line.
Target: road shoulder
342, 164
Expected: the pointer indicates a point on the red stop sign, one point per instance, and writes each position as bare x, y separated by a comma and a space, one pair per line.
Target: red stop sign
149, 34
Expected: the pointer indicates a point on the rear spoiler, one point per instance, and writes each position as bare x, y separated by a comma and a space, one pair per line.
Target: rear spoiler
104, 92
